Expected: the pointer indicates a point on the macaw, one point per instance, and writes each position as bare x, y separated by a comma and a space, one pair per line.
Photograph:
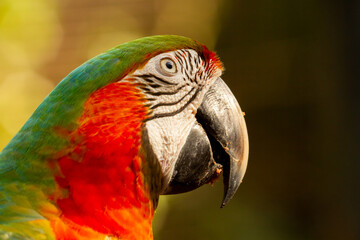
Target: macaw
148, 117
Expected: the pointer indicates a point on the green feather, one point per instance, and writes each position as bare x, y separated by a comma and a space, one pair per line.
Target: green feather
25, 176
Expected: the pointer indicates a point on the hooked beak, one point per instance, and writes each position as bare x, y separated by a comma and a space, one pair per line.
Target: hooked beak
218, 140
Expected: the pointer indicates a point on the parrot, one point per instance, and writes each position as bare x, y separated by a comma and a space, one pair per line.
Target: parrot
146, 118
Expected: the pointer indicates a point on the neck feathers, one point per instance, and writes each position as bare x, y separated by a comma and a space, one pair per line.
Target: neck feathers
102, 190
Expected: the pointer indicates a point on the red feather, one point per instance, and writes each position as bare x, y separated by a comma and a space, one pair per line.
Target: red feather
105, 188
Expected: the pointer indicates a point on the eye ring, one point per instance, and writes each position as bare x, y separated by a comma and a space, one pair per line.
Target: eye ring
168, 65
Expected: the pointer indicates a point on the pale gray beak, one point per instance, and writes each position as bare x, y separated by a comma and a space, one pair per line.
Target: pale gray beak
224, 144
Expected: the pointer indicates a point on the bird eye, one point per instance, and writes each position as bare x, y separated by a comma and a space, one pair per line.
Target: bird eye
168, 65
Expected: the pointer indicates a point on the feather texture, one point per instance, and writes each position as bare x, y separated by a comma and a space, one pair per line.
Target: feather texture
52, 184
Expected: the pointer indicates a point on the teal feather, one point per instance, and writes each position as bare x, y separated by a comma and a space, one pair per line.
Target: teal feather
26, 178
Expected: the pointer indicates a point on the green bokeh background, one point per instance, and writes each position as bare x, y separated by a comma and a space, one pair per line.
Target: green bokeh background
293, 66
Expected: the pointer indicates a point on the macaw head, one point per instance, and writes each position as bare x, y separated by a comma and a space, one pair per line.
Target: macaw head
195, 128
146, 118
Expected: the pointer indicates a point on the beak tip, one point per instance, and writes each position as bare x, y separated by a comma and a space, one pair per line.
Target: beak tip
233, 176
228, 195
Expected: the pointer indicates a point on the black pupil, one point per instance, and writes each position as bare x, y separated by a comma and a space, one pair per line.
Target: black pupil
169, 65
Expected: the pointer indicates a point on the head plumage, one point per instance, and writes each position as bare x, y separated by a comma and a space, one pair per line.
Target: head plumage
149, 47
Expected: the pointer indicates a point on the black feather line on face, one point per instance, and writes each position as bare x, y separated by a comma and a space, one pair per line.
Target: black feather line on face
194, 69
149, 76
166, 93
172, 103
161, 115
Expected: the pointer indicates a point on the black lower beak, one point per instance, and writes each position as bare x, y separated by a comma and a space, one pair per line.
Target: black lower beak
218, 141
195, 165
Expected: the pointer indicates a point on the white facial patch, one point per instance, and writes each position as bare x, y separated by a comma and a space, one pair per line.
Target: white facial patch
174, 84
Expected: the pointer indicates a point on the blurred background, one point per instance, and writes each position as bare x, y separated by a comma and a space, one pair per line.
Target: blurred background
293, 66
